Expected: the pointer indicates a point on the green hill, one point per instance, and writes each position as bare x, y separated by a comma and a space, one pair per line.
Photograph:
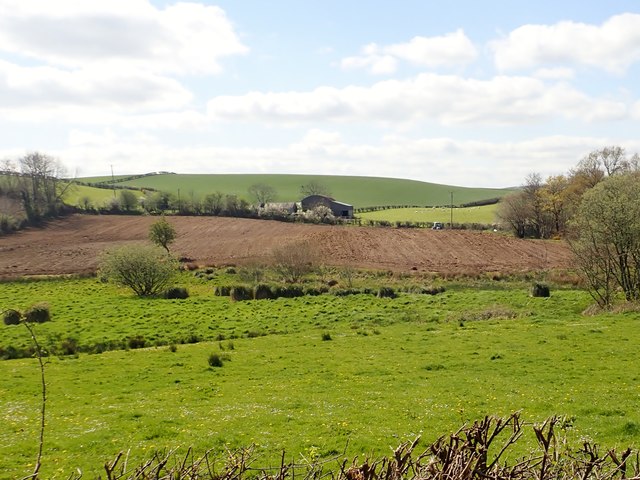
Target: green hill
358, 191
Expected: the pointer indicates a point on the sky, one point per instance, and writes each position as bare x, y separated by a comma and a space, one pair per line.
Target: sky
470, 93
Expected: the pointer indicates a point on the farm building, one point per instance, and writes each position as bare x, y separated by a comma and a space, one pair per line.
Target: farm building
339, 209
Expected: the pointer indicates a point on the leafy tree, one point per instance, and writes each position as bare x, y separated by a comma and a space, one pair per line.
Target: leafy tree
145, 269
213, 203
606, 238
315, 188
262, 193
162, 233
128, 200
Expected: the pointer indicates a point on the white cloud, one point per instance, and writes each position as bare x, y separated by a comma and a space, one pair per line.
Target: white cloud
185, 38
612, 46
90, 94
446, 50
446, 99
559, 73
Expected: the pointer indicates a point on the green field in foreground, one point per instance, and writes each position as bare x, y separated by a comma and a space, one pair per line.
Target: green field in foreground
357, 191
393, 369
485, 215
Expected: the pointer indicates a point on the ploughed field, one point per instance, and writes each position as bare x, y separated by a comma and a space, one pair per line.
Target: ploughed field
73, 245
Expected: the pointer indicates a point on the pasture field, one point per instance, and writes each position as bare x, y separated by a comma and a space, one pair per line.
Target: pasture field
98, 197
485, 214
391, 370
358, 191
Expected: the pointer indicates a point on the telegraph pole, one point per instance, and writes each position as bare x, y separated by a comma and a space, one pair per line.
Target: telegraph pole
451, 211
113, 182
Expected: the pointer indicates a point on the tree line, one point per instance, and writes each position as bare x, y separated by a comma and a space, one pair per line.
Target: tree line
596, 208
545, 208
31, 189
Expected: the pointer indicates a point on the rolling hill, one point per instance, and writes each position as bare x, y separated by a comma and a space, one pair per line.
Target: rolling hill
358, 191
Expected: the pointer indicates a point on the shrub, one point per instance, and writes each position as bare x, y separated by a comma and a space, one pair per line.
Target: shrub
176, 292
144, 269
173, 348
540, 290
386, 292
326, 337
262, 292
215, 360
11, 317
239, 293
38, 313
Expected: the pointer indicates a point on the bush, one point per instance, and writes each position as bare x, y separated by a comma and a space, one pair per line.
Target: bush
38, 313
176, 292
540, 290
326, 337
240, 292
11, 317
144, 269
386, 292
215, 360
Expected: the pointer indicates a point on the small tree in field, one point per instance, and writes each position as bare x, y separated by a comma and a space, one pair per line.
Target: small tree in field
162, 233
145, 269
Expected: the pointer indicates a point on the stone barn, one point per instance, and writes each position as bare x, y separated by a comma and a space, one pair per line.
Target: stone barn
339, 209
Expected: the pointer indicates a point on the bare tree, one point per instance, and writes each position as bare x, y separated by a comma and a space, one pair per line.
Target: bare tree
315, 188
262, 193
41, 186
295, 260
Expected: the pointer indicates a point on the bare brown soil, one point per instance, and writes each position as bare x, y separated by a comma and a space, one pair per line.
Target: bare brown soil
73, 245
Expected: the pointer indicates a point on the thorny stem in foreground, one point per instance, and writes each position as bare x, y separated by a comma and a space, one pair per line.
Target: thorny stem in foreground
39, 354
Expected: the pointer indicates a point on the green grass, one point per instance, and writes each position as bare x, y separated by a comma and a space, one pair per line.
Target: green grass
358, 191
98, 197
394, 369
485, 215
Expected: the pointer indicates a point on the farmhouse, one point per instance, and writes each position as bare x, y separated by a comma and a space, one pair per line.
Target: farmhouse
339, 209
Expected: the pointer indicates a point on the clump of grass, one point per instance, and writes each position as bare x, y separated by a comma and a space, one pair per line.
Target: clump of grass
215, 360
240, 292
496, 312
137, 341
540, 290
11, 317
222, 290
326, 337
38, 313
262, 292
386, 292
176, 293
173, 348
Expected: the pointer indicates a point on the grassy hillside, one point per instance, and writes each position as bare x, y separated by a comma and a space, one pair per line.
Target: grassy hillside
358, 191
